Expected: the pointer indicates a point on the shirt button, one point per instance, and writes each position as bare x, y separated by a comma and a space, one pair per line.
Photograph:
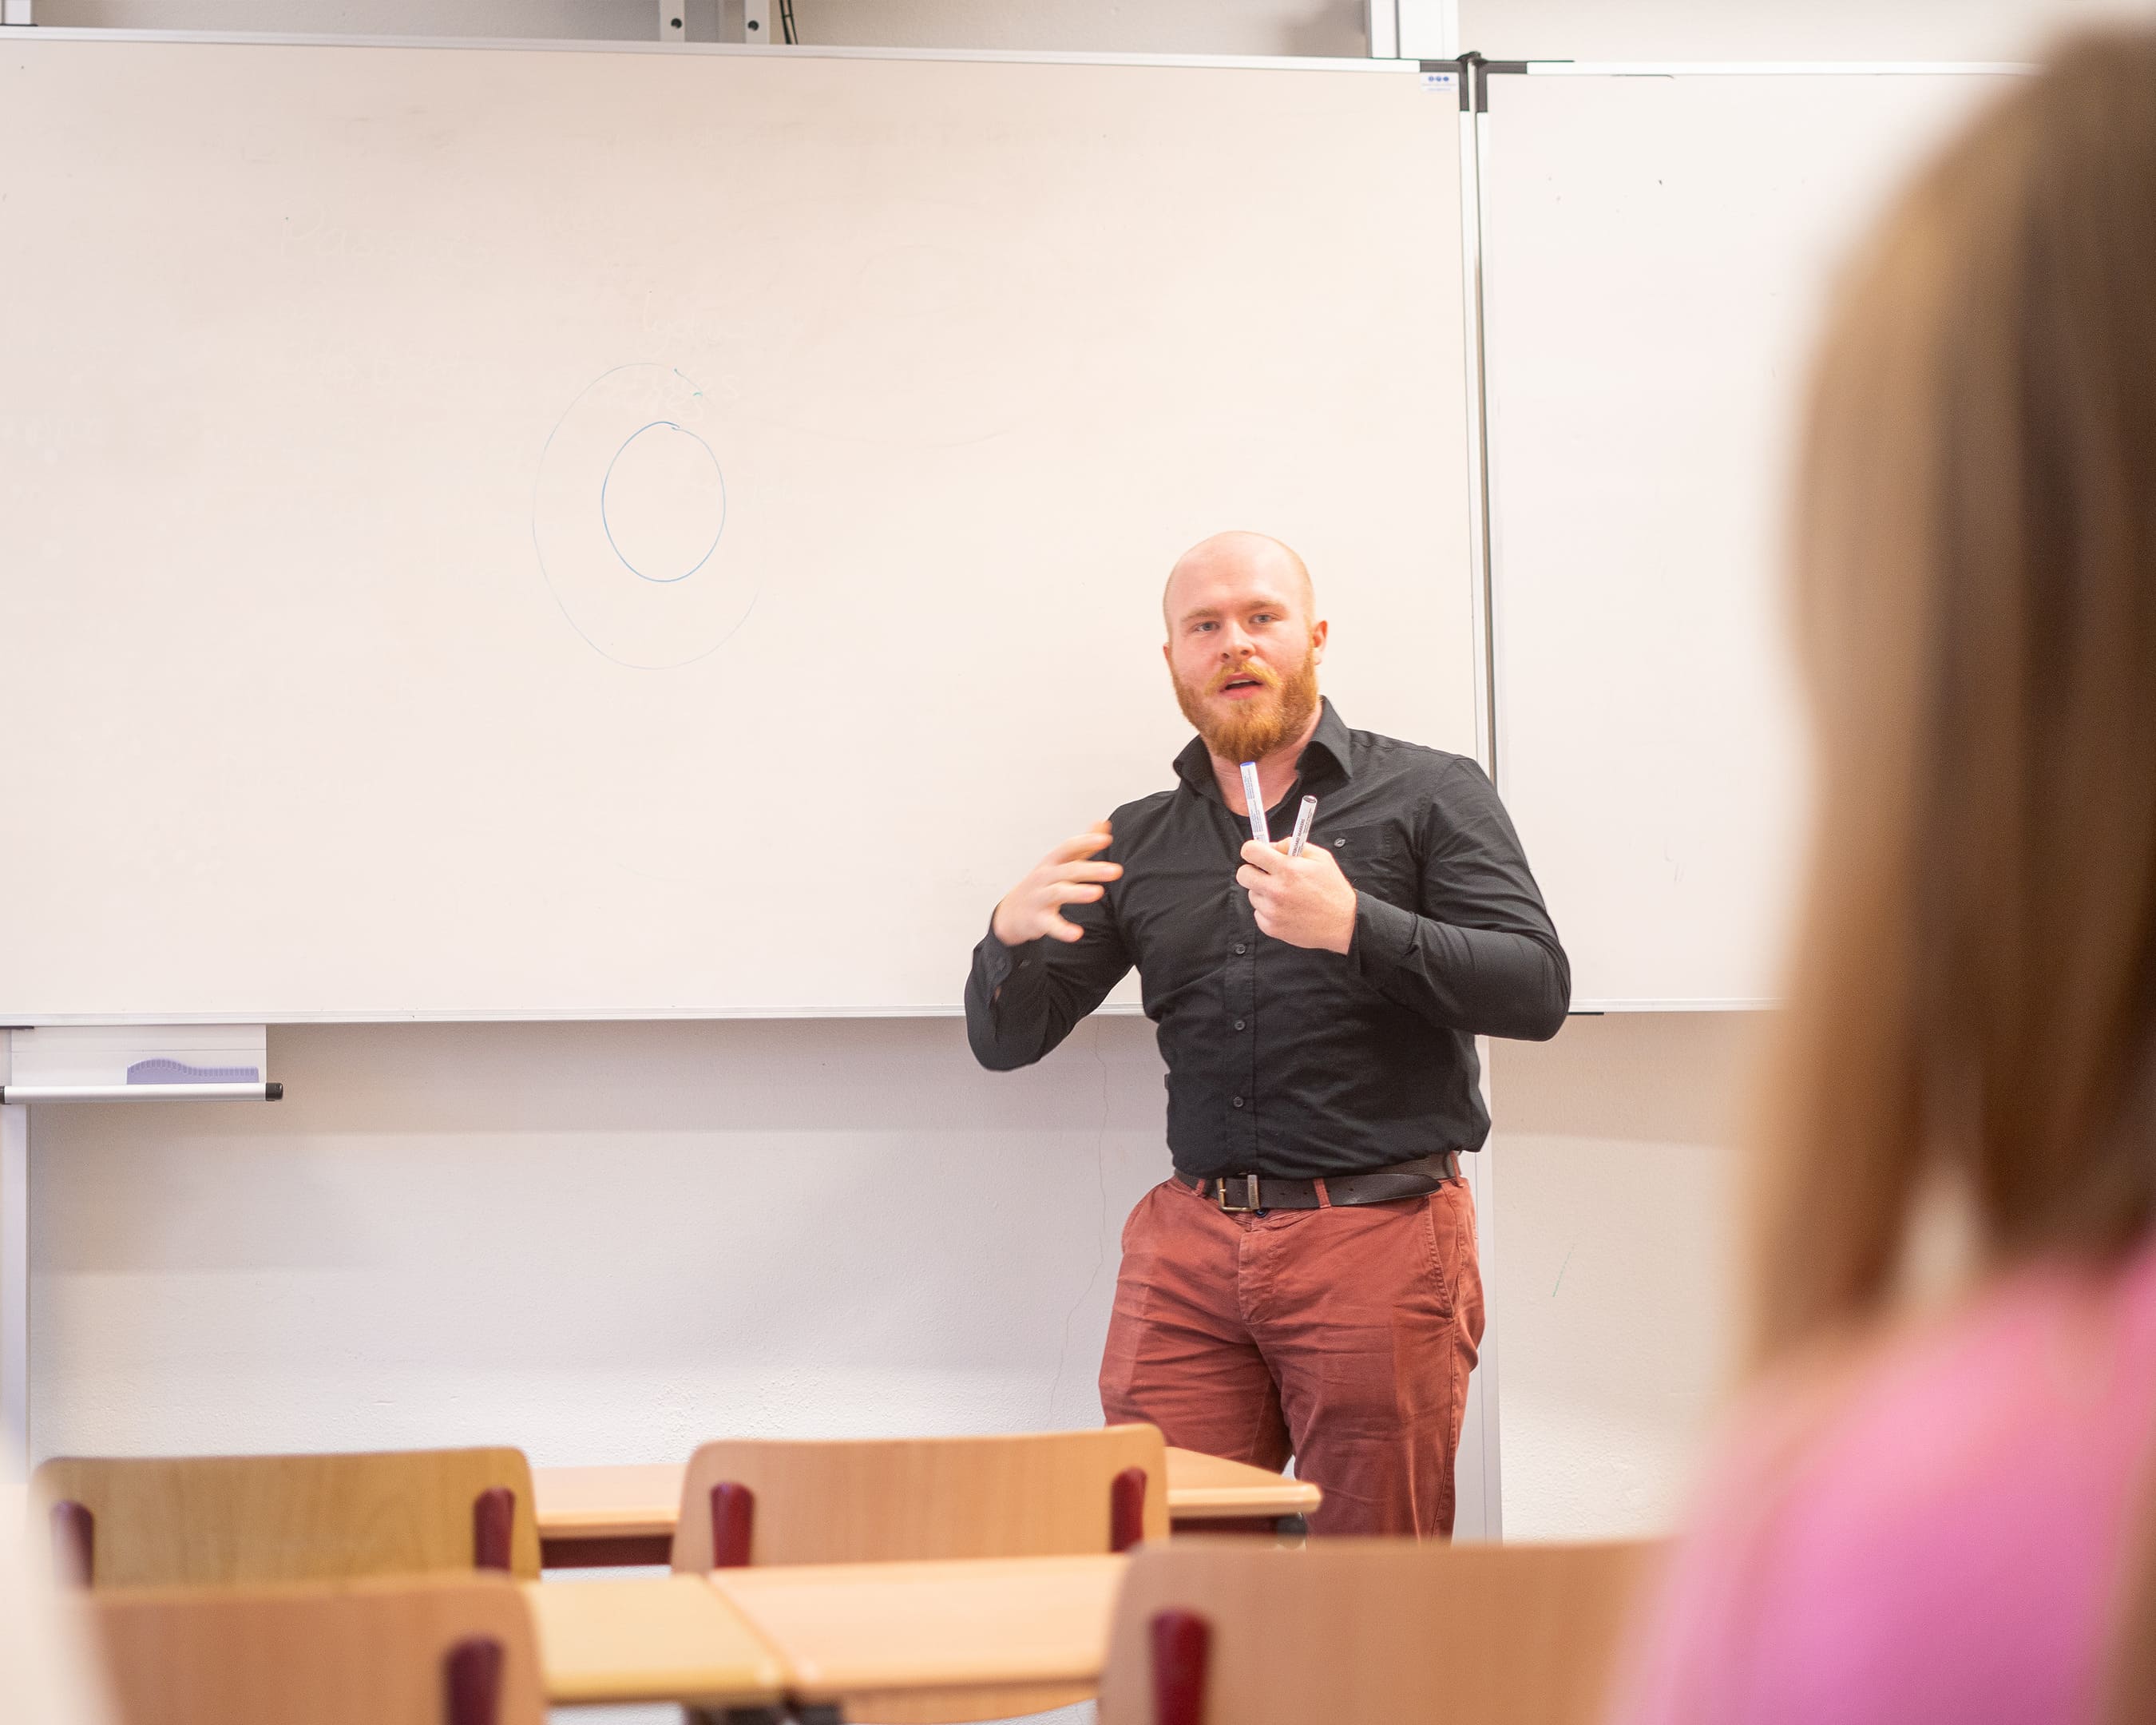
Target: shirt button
1238, 1023
1338, 844
1238, 1101
1240, 949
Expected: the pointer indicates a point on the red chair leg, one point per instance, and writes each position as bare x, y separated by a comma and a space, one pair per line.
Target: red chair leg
733, 1525
474, 1669
494, 1516
74, 1544
1181, 1642
1126, 1509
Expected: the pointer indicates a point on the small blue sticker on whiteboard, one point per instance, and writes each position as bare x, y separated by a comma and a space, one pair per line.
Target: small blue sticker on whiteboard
1438, 80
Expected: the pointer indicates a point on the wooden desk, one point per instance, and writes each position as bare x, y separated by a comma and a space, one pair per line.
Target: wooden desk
664, 1638
590, 1517
980, 1639
1204, 1488
596, 1516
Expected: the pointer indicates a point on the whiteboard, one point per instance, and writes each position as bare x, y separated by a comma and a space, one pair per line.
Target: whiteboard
1658, 248
516, 531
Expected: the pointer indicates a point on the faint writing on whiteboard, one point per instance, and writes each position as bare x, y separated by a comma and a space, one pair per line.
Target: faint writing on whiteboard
628, 516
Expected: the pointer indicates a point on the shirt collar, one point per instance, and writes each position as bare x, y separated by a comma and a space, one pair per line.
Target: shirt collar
1326, 755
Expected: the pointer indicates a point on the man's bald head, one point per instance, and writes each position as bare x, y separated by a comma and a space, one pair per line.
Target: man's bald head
1243, 557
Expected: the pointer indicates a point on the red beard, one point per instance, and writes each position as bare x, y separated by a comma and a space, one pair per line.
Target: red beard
1249, 730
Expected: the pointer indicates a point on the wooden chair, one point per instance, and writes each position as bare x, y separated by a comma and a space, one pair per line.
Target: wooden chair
1210, 1631
1043, 1494
427, 1650
246, 1519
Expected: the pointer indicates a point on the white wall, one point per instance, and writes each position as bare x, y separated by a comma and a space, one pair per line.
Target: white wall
1615, 1276
604, 1242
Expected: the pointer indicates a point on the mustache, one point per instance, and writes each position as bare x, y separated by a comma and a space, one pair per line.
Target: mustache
1253, 671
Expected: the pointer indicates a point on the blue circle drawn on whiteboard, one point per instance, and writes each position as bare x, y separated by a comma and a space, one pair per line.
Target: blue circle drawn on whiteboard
629, 509
658, 466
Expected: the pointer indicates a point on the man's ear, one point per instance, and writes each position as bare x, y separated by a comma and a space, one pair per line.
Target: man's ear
1317, 633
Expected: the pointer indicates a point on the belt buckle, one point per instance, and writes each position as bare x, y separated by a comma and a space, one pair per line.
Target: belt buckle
1250, 1192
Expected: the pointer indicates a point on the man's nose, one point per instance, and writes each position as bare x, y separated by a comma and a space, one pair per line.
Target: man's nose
1234, 645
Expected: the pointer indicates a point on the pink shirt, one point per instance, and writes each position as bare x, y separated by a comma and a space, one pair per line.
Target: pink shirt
1945, 1540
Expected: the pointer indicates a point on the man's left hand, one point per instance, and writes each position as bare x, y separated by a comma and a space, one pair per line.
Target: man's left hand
1304, 900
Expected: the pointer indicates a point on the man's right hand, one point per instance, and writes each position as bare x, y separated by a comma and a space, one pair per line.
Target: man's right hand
1064, 876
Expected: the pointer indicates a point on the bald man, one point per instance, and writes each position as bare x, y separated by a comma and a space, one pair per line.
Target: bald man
1305, 1283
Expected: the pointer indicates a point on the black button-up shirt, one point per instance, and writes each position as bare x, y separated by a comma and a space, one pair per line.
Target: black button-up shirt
1285, 1060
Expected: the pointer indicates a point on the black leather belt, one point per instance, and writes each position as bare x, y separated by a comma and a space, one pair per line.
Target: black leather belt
1242, 1194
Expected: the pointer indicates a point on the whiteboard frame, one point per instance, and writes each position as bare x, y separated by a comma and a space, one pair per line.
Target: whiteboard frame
537, 1015
1485, 499
1483, 1517
14, 1286
1763, 69
757, 51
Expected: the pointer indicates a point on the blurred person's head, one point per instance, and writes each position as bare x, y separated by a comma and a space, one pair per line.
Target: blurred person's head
1975, 990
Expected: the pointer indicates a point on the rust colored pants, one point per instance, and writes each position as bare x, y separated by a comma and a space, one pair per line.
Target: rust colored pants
1342, 1337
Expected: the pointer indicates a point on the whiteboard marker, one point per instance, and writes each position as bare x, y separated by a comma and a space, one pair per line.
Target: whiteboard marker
1254, 799
1303, 819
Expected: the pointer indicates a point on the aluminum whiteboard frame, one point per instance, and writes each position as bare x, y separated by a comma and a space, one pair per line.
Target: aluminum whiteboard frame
1481, 1168
14, 1288
1484, 499
755, 51
1761, 68
23, 1095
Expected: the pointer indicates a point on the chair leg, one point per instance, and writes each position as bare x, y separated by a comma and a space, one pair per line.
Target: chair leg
494, 1518
1182, 1643
74, 1544
733, 1525
473, 1670
1126, 1494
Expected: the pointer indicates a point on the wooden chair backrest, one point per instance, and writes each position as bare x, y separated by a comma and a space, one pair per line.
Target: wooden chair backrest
1379, 1628
242, 1520
863, 1500
346, 1653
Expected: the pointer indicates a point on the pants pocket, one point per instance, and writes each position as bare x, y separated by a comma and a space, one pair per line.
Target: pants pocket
1448, 1229
1142, 1212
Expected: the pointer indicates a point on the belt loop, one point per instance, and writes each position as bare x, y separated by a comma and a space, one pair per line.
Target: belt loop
1324, 1197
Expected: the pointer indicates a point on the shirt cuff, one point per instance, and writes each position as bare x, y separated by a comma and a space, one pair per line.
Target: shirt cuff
997, 961
1384, 932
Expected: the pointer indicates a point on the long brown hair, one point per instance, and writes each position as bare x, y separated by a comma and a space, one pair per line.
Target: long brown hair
1975, 983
